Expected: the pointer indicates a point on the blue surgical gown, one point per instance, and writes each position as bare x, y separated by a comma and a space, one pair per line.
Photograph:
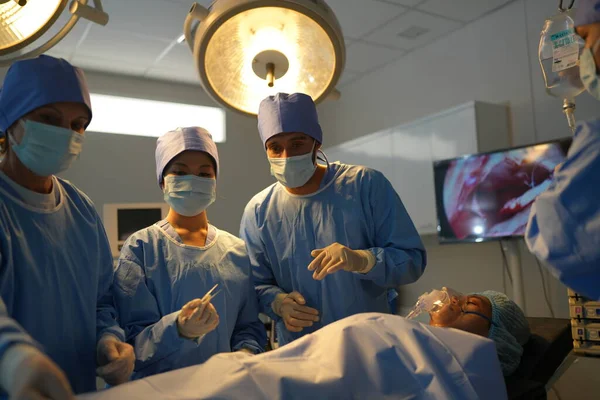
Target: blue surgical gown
564, 224
56, 271
358, 208
158, 274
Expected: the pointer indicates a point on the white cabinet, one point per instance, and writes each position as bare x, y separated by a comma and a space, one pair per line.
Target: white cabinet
374, 151
452, 133
405, 154
412, 175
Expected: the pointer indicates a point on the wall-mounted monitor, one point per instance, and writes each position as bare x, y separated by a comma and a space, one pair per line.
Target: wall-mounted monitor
123, 220
488, 196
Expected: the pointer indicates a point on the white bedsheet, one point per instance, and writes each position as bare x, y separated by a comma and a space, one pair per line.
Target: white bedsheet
366, 356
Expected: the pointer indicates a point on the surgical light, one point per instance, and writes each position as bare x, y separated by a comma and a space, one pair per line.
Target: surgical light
24, 23
246, 50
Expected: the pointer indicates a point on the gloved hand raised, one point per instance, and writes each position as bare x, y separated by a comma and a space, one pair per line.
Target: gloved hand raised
116, 360
291, 308
338, 257
197, 318
27, 373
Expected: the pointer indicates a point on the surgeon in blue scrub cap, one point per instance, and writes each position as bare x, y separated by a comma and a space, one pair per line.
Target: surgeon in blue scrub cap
58, 324
493, 315
564, 224
325, 241
165, 270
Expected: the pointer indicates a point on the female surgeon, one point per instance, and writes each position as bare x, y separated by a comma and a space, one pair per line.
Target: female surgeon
56, 308
165, 270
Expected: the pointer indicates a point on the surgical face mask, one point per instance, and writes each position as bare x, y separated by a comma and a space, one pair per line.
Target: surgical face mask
46, 149
435, 301
587, 71
293, 172
189, 195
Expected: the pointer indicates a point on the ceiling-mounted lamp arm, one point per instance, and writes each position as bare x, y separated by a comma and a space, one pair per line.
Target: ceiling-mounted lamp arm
197, 13
95, 14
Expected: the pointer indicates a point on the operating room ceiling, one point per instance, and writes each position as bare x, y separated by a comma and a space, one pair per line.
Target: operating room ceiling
141, 36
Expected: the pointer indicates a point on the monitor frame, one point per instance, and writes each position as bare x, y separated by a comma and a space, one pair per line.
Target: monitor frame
111, 220
435, 164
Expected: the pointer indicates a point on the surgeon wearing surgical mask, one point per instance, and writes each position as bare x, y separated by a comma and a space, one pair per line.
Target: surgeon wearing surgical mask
166, 270
564, 224
325, 242
58, 327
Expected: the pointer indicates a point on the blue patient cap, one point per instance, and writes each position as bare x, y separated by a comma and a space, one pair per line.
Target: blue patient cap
587, 12
510, 330
287, 113
175, 142
33, 83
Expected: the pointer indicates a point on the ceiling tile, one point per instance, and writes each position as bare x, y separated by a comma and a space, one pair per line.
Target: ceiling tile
358, 17
141, 30
67, 45
347, 77
409, 3
175, 75
363, 57
100, 64
462, 10
179, 57
154, 18
434, 26
348, 40
71, 40
205, 3
109, 44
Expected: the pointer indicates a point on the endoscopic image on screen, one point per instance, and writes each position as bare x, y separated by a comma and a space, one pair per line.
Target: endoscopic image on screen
490, 195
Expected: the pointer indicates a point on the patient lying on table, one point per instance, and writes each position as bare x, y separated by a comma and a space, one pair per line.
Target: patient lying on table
363, 356
490, 314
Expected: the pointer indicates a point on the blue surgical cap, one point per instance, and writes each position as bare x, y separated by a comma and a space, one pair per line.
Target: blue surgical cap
173, 143
510, 330
587, 12
33, 83
288, 113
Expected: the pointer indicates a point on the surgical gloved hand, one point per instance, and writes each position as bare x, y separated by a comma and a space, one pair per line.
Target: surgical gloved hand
116, 360
338, 257
196, 319
291, 308
27, 373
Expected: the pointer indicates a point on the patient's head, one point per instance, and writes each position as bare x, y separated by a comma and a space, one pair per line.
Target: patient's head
493, 315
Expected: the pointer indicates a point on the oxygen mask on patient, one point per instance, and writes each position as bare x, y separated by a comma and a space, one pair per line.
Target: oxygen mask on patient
435, 301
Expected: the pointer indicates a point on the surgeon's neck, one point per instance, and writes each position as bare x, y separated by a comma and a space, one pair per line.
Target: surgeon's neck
191, 230
21, 175
313, 184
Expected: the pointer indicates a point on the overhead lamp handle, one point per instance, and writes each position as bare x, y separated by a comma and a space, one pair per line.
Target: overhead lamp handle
197, 13
95, 14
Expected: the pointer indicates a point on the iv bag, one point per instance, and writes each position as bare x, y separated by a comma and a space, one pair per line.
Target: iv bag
559, 51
